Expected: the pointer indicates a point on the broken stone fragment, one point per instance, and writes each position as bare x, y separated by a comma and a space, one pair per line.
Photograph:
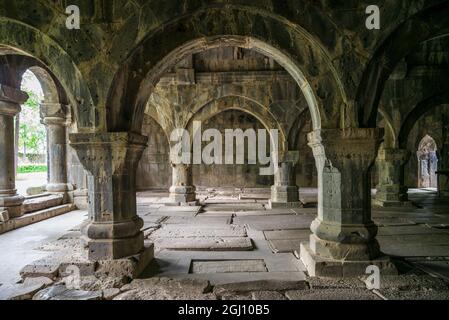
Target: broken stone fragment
20, 291
4, 216
261, 285
38, 280
166, 289
92, 283
110, 294
60, 292
40, 270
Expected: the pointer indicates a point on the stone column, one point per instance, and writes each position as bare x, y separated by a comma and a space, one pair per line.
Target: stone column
110, 160
182, 191
285, 192
10, 201
443, 168
391, 191
57, 145
343, 242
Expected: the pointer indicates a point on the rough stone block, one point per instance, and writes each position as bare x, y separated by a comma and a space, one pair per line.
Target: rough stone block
260, 285
166, 289
130, 267
332, 294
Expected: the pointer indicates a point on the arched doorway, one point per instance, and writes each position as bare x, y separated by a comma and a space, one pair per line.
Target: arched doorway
427, 163
31, 139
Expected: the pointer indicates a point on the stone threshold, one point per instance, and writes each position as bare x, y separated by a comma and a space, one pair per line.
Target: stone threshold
34, 217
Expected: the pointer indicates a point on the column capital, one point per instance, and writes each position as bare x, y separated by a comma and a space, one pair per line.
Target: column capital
10, 100
342, 145
53, 111
55, 121
111, 150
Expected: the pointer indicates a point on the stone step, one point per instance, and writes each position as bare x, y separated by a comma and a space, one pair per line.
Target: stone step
34, 204
35, 217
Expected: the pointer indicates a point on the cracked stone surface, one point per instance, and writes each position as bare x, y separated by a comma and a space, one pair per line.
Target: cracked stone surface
166, 289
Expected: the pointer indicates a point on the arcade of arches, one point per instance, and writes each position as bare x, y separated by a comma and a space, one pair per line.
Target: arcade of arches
362, 117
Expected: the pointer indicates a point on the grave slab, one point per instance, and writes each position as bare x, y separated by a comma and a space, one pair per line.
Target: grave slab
205, 244
228, 266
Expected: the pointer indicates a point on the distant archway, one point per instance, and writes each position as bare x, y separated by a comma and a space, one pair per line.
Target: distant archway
427, 163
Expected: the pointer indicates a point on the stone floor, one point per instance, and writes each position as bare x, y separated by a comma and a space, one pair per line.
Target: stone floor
233, 247
24, 181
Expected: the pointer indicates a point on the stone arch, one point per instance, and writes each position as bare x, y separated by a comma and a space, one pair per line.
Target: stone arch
245, 104
420, 110
19, 38
51, 92
425, 25
296, 50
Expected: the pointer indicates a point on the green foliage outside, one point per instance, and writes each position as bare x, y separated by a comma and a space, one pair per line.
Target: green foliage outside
32, 134
32, 169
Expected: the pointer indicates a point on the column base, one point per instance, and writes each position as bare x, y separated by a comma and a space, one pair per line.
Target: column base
57, 187
282, 205
284, 194
182, 196
318, 266
113, 249
131, 267
12, 204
